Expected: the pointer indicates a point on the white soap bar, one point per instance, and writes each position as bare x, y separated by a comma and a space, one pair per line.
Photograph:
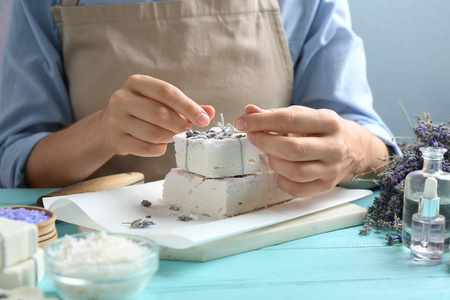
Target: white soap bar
217, 158
224, 197
18, 241
25, 273
24, 293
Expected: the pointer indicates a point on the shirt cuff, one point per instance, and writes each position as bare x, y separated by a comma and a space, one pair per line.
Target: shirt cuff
14, 159
386, 137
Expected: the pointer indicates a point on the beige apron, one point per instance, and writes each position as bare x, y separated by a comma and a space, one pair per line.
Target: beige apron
225, 53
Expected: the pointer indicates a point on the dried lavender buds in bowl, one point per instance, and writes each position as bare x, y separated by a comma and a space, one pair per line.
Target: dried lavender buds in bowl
44, 220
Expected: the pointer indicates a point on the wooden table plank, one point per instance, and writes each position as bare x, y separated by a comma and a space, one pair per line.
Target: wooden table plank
363, 289
285, 274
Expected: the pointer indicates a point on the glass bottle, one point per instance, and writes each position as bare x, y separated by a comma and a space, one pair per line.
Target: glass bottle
428, 227
414, 186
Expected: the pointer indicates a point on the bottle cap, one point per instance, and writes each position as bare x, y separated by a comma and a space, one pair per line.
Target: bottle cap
429, 201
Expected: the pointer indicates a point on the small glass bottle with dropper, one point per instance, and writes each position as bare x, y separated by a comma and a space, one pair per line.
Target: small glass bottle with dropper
428, 227
414, 186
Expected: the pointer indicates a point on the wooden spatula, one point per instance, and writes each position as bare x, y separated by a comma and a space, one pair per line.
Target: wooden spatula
98, 184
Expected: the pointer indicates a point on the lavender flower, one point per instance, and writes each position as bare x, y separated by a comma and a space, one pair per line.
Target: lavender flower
392, 241
140, 223
387, 209
223, 131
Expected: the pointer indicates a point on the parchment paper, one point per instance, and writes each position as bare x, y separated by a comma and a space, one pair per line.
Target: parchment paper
108, 210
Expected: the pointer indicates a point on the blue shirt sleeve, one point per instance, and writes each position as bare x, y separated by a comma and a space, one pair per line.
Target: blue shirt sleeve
329, 63
33, 97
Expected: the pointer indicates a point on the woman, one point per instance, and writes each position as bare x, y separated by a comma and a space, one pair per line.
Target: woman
105, 84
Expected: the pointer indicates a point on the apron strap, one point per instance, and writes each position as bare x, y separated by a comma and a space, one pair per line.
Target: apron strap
69, 2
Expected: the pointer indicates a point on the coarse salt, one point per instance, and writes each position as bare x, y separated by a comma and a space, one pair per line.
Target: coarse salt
99, 248
101, 266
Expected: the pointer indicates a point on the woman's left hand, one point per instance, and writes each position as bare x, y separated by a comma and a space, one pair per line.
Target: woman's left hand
320, 150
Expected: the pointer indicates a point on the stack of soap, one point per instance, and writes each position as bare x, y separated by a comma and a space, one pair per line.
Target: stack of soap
21, 261
220, 177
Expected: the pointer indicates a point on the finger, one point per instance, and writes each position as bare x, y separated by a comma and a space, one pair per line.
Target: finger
298, 171
239, 122
294, 119
170, 96
209, 110
292, 148
304, 189
251, 109
127, 144
146, 132
157, 114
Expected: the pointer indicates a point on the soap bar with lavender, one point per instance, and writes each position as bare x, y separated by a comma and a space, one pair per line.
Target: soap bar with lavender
27, 272
18, 241
218, 157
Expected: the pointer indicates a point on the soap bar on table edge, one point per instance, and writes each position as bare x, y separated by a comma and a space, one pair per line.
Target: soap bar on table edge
25, 273
18, 241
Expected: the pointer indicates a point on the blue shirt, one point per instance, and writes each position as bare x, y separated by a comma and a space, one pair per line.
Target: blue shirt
327, 56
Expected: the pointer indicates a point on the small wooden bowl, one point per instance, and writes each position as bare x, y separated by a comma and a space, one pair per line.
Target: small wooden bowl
46, 229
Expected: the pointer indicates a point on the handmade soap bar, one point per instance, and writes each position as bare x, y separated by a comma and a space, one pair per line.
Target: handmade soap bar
217, 158
18, 241
224, 197
25, 273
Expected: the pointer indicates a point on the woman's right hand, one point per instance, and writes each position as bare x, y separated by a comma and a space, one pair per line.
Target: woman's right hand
140, 119
144, 115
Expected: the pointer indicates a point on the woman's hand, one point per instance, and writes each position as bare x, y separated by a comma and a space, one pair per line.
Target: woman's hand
144, 115
320, 150
140, 119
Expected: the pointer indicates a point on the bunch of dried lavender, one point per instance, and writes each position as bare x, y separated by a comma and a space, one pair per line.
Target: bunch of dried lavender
386, 210
220, 132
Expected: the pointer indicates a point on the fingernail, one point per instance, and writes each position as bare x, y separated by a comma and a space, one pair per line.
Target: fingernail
240, 124
251, 137
203, 119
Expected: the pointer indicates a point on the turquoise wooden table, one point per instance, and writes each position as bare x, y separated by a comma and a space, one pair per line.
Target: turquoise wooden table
337, 265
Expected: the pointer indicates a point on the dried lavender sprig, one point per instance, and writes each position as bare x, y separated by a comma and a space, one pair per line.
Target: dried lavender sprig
386, 210
391, 240
226, 131
140, 223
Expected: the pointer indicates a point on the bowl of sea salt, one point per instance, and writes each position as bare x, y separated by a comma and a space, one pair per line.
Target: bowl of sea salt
101, 265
